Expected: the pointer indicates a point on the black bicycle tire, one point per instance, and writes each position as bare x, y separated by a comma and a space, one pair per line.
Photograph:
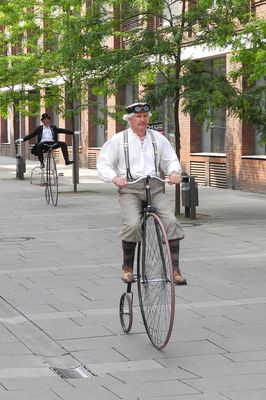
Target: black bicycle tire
126, 318
47, 188
53, 179
156, 290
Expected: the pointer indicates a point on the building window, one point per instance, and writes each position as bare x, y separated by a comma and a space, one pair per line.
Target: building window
55, 117
213, 135
129, 17
260, 149
166, 115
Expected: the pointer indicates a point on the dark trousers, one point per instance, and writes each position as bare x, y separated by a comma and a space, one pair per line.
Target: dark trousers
40, 148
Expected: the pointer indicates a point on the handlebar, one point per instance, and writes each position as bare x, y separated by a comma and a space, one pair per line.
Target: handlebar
148, 177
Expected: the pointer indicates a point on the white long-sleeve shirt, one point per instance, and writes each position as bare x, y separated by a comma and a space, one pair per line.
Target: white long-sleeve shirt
47, 135
111, 161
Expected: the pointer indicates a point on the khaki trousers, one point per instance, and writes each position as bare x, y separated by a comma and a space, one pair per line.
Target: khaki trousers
131, 204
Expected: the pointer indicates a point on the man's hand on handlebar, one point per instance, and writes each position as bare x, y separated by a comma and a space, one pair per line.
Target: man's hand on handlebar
120, 182
19, 140
174, 178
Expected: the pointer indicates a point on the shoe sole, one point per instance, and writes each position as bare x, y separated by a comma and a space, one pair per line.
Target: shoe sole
128, 280
180, 283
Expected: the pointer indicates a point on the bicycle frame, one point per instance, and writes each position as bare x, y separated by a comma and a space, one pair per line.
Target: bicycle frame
154, 277
148, 208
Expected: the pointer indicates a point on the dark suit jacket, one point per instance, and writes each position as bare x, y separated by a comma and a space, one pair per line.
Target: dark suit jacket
38, 132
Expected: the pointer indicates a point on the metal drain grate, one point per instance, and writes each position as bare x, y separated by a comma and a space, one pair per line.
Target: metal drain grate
73, 373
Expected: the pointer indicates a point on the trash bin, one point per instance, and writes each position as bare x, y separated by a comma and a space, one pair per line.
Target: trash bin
189, 195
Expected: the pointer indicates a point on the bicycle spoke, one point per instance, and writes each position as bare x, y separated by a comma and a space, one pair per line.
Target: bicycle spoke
156, 290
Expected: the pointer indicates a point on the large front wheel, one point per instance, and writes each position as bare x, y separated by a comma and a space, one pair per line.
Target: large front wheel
155, 283
52, 178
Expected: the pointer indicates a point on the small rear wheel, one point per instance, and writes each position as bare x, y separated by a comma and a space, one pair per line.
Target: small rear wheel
126, 311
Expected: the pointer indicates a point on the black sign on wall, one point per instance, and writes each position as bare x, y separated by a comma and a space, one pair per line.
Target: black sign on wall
157, 126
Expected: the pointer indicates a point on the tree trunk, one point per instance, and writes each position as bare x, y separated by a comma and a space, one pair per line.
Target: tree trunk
177, 145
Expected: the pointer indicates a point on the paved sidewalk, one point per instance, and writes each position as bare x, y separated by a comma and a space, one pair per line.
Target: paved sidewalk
60, 288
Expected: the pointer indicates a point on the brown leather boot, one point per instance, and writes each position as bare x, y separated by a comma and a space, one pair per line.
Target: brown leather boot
128, 261
177, 276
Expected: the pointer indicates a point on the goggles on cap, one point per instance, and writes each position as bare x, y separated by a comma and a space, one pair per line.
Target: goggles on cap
138, 108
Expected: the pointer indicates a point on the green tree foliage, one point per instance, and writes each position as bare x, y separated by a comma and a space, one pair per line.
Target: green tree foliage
162, 59
18, 69
45, 45
250, 58
168, 53
65, 45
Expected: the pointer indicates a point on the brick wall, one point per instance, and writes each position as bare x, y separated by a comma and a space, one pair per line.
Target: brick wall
3, 130
252, 175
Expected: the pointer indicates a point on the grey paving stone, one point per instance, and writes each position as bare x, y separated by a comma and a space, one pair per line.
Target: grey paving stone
20, 361
247, 395
162, 388
6, 335
201, 365
15, 372
26, 395
245, 356
88, 392
38, 309
35, 384
152, 375
57, 324
144, 351
13, 348
227, 384
247, 343
98, 356
60, 333
243, 330
70, 294
53, 315
202, 333
129, 366
213, 396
